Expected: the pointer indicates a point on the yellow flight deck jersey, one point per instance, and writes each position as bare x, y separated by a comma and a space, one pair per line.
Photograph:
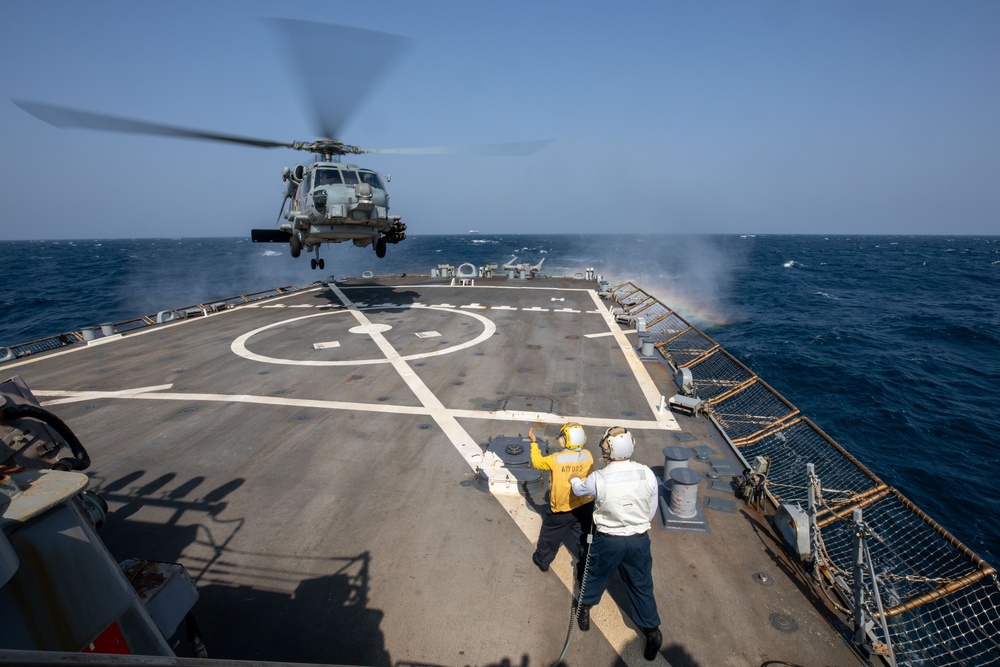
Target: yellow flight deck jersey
562, 464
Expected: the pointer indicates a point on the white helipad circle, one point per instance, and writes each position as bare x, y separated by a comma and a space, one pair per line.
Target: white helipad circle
239, 345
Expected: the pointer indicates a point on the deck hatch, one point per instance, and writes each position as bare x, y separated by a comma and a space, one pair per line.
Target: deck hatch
506, 465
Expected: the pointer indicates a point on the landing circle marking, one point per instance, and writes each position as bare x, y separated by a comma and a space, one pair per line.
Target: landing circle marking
240, 349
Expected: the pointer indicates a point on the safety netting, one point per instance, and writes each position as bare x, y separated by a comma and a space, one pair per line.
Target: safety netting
938, 602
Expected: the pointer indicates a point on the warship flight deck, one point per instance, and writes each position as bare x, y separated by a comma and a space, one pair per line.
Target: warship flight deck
343, 472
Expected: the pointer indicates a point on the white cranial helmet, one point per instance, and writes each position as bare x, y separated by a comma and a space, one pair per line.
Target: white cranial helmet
617, 444
572, 436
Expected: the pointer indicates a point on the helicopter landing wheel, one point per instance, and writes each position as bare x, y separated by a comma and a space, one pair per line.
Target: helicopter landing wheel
317, 264
380, 247
295, 246
312, 263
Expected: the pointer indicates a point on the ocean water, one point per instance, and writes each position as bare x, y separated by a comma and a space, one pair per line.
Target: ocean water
890, 344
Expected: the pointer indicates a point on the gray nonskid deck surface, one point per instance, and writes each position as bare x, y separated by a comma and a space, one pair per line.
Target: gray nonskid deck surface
324, 499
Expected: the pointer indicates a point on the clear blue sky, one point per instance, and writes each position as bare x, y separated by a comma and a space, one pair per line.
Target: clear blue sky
716, 117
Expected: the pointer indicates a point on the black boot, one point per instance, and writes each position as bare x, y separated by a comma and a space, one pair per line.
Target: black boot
541, 566
654, 640
583, 617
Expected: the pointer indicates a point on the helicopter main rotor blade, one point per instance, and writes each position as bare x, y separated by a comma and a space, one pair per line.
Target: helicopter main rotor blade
339, 67
512, 148
64, 117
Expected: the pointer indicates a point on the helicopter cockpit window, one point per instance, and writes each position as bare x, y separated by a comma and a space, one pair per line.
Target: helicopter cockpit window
350, 177
372, 178
328, 177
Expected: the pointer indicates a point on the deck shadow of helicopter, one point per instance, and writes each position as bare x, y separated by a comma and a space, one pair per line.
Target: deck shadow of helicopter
323, 618
160, 544
326, 619
370, 299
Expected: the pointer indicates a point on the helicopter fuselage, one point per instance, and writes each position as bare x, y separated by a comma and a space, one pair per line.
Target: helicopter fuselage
332, 203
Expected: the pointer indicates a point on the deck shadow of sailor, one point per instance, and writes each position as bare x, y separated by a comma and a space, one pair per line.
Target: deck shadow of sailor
675, 654
678, 656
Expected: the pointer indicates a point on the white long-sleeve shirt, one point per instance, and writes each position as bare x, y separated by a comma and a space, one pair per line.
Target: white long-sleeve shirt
633, 489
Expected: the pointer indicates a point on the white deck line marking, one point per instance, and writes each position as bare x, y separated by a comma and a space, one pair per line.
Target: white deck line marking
646, 384
502, 308
370, 328
104, 339
427, 334
565, 310
535, 309
474, 306
326, 346
519, 288
522, 416
76, 396
157, 394
607, 333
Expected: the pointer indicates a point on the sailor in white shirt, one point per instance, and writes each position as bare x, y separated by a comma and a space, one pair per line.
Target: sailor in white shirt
626, 494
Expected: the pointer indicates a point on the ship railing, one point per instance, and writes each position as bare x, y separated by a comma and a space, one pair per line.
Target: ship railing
941, 600
48, 343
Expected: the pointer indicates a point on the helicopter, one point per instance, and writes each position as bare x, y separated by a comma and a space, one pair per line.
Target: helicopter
331, 203
325, 201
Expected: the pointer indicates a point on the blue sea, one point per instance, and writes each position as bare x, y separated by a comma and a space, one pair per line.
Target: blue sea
891, 344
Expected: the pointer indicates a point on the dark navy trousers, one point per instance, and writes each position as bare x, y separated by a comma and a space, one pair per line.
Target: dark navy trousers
555, 525
631, 557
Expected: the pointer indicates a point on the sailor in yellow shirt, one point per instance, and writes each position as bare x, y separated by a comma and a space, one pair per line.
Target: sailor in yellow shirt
566, 511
